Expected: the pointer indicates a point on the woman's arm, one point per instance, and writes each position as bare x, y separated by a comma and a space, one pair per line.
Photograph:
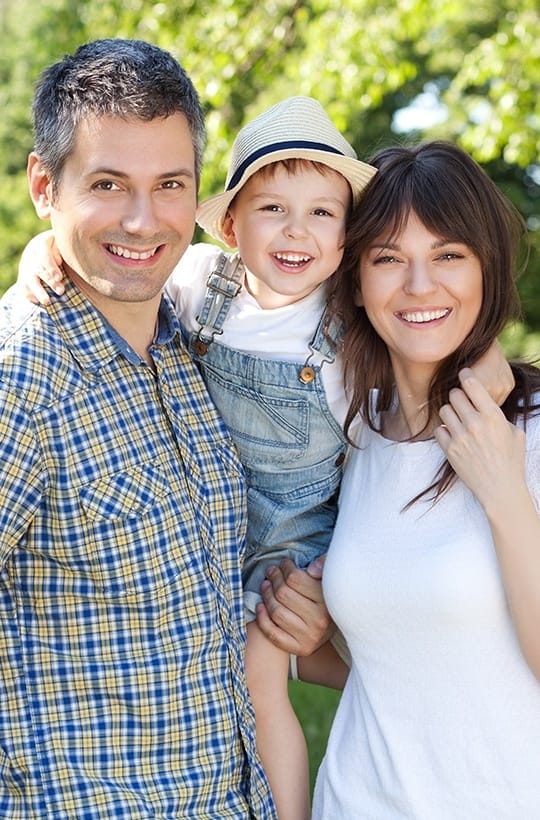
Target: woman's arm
488, 454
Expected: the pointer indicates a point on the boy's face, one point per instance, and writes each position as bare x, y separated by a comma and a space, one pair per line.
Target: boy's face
289, 229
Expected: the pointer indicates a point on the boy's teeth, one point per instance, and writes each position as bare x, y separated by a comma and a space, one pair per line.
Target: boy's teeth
424, 315
118, 250
292, 257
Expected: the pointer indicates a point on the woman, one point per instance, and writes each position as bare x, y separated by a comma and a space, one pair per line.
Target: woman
434, 576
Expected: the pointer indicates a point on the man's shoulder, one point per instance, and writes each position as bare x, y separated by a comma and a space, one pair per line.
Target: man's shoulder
33, 356
15, 313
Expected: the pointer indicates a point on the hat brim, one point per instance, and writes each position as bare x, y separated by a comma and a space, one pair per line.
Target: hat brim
212, 211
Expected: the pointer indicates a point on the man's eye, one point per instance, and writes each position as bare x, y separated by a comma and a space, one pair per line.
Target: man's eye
106, 185
172, 185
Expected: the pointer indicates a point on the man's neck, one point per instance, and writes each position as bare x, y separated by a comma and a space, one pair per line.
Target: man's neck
135, 322
138, 327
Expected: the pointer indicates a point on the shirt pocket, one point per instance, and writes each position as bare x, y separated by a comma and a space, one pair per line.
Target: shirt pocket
135, 529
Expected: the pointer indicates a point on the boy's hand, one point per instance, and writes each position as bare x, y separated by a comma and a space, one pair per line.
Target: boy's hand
40, 263
494, 373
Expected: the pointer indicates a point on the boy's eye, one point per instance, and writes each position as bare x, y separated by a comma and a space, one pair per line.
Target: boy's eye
272, 207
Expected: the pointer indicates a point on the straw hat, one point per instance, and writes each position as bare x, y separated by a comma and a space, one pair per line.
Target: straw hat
297, 128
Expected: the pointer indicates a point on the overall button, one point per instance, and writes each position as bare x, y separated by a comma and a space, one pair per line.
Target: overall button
307, 374
200, 347
339, 460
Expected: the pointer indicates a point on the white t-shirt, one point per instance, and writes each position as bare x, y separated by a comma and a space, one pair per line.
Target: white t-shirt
281, 333
440, 716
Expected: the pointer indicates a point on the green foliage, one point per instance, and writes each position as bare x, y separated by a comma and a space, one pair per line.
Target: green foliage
315, 707
364, 60
518, 343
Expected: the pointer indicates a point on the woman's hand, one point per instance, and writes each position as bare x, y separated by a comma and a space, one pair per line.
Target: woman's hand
485, 450
293, 614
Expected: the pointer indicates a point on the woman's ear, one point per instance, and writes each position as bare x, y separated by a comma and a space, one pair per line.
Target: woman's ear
358, 300
39, 185
227, 231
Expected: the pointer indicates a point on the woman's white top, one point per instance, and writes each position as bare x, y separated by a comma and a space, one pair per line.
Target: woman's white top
440, 716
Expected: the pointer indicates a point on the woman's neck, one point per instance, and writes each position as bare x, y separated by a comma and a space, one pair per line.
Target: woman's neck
408, 418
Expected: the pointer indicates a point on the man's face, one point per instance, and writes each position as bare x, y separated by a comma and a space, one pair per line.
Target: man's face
124, 210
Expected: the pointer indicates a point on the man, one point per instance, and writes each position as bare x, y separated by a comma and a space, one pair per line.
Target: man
122, 690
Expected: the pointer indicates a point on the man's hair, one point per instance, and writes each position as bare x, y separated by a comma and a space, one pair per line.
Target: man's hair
110, 77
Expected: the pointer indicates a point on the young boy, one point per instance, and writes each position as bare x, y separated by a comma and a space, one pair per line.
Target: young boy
258, 327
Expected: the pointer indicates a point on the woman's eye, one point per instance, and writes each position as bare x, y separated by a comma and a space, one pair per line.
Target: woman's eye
450, 255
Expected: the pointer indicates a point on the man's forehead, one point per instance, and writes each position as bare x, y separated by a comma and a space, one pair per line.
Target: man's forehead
160, 146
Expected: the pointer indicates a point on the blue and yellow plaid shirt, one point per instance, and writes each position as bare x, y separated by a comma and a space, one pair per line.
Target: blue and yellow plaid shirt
122, 689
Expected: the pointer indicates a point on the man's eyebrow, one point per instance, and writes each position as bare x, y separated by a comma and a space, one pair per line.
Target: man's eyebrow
115, 172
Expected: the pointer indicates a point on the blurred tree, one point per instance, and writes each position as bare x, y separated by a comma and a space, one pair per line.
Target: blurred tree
369, 63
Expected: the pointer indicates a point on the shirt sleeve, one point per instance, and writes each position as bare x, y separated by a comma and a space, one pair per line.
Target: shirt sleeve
22, 473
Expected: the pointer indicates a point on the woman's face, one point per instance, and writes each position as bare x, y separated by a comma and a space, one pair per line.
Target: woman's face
422, 294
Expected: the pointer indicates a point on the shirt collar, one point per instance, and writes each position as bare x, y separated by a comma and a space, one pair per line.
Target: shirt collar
90, 337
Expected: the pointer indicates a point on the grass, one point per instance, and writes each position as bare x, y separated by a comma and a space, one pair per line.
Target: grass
315, 707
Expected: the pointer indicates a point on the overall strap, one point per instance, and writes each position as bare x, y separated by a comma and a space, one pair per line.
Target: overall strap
222, 285
324, 345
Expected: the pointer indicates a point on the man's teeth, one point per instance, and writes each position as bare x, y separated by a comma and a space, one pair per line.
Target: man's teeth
292, 258
424, 315
118, 250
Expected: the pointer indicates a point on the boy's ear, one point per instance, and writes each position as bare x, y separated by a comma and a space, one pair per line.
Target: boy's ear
227, 231
39, 185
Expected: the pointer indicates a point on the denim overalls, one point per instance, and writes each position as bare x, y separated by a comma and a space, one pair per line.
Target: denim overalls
291, 446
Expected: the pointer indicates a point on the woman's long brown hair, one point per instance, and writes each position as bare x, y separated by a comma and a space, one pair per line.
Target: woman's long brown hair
455, 199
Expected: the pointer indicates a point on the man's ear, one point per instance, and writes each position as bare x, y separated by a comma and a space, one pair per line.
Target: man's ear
227, 231
39, 185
